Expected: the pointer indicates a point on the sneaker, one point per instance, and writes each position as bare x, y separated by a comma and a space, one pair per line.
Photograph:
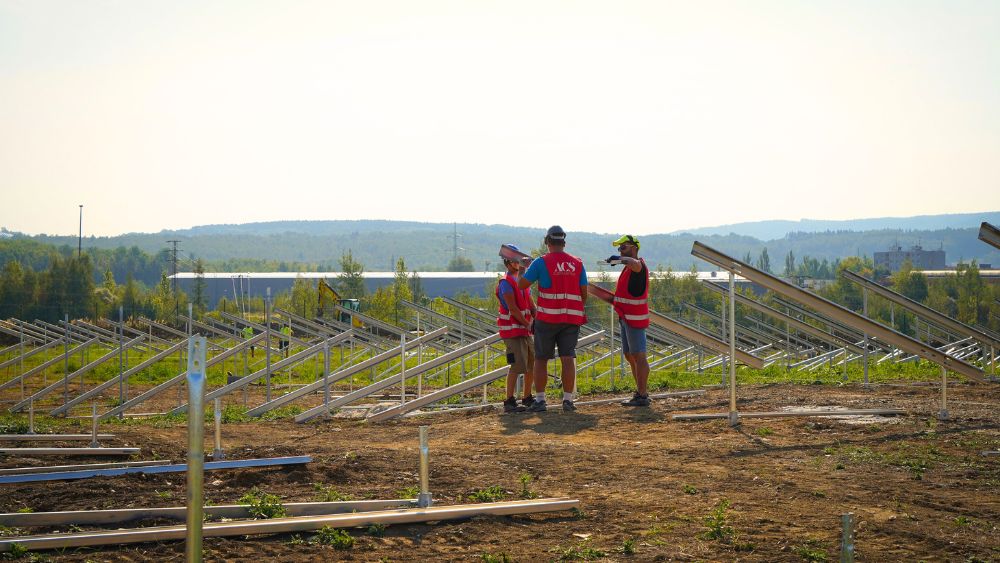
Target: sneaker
568, 405
510, 405
637, 400
527, 401
537, 406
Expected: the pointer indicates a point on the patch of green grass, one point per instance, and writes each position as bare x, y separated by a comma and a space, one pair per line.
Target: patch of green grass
335, 537
689, 489
813, 551
581, 552
375, 529
25, 510
232, 414
497, 558
489, 494
282, 412
165, 495
329, 493
764, 431
409, 492
263, 505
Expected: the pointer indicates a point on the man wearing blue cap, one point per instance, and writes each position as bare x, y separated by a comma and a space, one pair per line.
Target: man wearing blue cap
631, 304
562, 301
514, 323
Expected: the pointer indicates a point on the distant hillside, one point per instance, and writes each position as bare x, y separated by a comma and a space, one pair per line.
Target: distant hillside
429, 246
771, 230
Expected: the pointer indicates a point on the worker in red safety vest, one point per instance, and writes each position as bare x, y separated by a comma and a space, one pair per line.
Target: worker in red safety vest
562, 298
631, 304
516, 311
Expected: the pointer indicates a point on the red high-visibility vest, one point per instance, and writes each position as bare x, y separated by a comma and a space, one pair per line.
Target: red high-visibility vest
635, 310
510, 328
562, 303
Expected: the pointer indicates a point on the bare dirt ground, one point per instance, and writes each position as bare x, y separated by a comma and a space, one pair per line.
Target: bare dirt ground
920, 488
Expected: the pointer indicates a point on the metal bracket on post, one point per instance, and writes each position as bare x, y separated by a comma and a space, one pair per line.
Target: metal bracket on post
424, 500
196, 446
847, 538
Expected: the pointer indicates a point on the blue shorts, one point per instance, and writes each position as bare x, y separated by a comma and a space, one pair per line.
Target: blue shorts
633, 339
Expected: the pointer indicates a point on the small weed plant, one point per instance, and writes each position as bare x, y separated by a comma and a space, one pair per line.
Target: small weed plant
375, 529
628, 547
717, 524
263, 505
690, 490
409, 492
526, 491
489, 494
329, 493
497, 558
334, 537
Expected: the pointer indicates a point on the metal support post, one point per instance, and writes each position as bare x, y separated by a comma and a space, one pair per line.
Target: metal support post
217, 453
66, 363
402, 367
196, 446
864, 359
734, 417
326, 376
424, 500
121, 363
723, 316
267, 345
943, 413
31, 416
847, 538
93, 439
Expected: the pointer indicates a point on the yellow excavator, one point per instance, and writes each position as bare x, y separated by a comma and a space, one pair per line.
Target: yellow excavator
329, 295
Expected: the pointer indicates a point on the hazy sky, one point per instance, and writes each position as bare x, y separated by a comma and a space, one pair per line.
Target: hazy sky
605, 116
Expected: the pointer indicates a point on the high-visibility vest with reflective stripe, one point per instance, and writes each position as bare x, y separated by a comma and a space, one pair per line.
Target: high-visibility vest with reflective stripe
561, 303
508, 325
634, 310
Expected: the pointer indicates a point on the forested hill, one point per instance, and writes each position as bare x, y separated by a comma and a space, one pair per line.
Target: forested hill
318, 245
770, 230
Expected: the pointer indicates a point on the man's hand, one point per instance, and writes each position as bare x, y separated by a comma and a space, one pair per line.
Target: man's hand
613, 259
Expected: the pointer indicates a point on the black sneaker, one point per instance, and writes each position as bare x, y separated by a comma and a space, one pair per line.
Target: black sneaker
527, 401
637, 400
568, 405
510, 405
537, 406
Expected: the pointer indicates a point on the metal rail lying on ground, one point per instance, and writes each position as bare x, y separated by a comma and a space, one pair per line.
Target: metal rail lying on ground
126, 515
780, 414
81, 467
692, 335
69, 451
175, 468
293, 524
52, 437
836, 311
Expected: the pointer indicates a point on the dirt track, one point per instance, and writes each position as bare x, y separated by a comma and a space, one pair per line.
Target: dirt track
919, 487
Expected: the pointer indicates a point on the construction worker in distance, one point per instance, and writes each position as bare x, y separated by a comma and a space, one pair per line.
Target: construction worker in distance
285, 340
247, 335
562, 297
631, 304
514, 317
